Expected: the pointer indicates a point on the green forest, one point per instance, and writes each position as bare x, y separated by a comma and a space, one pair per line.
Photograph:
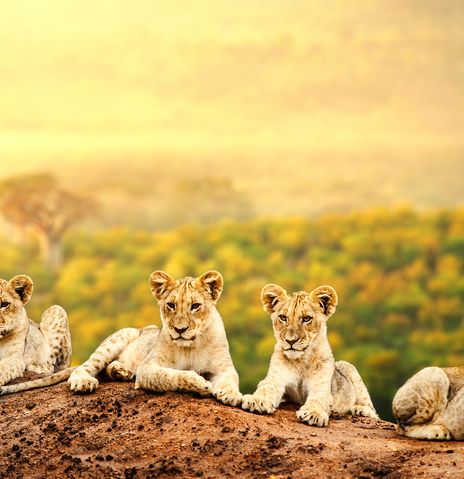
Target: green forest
398, 273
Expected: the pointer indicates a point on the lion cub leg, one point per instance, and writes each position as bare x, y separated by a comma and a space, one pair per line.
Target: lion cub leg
452, 418
266, 398
225, 387
270, 390
55, 328
350, 393
124, 367
83, 379
419, 403
316, 409
431, 432
150, 375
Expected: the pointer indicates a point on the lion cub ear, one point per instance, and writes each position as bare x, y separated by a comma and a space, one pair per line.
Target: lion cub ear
271, 295
325, 299
159, 283
23, 287
212, 282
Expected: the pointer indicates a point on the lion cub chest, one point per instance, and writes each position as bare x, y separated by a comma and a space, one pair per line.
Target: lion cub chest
295, 393
189, 359
297, 373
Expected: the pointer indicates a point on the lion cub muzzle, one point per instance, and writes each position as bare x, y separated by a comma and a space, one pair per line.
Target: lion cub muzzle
292, 345
182, 334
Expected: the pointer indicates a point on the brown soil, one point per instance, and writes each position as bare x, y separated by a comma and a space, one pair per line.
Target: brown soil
120, 432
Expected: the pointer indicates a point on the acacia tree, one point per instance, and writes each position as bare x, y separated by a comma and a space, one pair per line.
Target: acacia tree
37, 203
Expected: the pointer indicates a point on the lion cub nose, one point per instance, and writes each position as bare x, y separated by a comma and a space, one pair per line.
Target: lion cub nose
291, 342
180, 330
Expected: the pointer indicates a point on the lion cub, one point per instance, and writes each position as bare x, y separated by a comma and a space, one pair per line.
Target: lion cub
24, 344
192, 343
430, 405
302, 367
192, 352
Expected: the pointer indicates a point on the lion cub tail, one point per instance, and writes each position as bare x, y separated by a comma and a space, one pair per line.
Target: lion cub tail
54, 378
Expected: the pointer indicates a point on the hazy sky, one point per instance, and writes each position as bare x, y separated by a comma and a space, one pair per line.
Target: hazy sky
89, 78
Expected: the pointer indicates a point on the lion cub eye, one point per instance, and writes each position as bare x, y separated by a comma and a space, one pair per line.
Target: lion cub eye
171, 305
4, 304
283, 318
307, 319
195, 306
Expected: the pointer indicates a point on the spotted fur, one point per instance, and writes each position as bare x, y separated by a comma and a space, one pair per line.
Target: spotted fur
25, 345
118, 356
302, 367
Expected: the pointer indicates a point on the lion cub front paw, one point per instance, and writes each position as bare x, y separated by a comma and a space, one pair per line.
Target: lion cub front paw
255, 404
119, 372
194, 383
80, 383
365, 411
227, 395
314, 414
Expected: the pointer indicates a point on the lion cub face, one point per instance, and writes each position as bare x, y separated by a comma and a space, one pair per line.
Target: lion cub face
186, 304
14, 294
299, 318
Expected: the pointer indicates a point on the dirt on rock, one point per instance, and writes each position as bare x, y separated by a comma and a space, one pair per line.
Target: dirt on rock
121, 432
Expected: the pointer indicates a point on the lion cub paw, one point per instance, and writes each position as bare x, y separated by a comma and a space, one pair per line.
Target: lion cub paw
227, 395
194, 383
255, 404
119, 372
80, 383
431, 432
365, 411
314, 414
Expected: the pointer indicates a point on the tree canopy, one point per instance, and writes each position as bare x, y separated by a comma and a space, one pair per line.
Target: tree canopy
398, 274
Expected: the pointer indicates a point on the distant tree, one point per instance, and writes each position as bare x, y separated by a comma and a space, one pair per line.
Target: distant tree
36, 202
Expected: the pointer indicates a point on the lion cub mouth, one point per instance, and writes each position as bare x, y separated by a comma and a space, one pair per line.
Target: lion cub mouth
181, 341
292, 352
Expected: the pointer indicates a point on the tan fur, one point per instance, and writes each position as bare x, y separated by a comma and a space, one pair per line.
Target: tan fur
302, 367
24, 344
191, 343
118, 356
192, 352
430, 405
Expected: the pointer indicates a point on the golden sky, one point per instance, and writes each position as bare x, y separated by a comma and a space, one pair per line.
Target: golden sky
90, 78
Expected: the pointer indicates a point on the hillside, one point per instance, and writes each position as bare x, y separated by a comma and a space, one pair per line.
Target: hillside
120, 432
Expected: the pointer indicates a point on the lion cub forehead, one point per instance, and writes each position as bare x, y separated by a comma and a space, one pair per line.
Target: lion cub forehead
185, 289
298, 302
5, 287
300, 299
